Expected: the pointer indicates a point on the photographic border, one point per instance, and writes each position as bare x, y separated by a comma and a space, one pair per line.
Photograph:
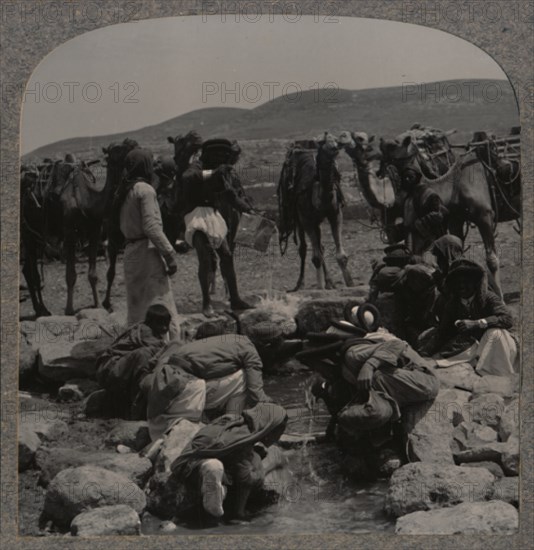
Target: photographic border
508, 39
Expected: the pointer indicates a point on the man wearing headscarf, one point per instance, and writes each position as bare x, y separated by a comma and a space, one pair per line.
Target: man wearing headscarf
473, 314
148, 256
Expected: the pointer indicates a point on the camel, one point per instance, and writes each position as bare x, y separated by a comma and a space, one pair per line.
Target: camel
503, 172
115, 154
65, 205
308, 193
464, 190
40, 222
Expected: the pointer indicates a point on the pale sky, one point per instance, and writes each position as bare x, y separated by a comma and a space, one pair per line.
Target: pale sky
167, 64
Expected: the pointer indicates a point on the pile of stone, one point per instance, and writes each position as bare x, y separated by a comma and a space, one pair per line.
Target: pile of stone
464, 453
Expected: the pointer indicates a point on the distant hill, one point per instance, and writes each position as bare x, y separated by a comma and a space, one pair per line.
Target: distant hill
379, 111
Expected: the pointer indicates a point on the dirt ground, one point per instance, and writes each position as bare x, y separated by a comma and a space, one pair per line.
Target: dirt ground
270, 271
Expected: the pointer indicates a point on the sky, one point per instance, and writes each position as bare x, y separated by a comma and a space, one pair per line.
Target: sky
124, 77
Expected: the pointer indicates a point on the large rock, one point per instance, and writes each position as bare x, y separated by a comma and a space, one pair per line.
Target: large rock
317, 315
175, 442
61, 361
28, 443
509, 422
470, 434
32, 432
487, 409
51, 461
430, 426
107, 520
468, 518
76, 490
510, 457
506, 386
133, 434
493, 467
426, 486
100, 315
68, 346
506, 454
507, 489
279, 318
461, 376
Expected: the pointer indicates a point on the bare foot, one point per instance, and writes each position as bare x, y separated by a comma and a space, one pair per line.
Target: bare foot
208, 311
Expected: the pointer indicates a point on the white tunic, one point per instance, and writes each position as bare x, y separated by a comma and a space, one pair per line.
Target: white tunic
145, 274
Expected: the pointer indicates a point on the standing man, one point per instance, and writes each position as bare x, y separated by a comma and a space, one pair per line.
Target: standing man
148, 256
208, 189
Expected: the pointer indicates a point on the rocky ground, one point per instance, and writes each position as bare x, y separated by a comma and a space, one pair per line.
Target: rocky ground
86, 476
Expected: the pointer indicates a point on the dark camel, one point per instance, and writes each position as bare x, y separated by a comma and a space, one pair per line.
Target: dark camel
67, 206
316, 196
40, 224
465, 192
503, 173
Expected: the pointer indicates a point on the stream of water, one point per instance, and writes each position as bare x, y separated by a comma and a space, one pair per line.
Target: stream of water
321, 499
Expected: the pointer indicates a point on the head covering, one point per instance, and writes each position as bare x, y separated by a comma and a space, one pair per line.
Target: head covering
217, 147
365, 316
397, 255
138, 166
463, 268
264, 332
447, 249
374, 412
416, 278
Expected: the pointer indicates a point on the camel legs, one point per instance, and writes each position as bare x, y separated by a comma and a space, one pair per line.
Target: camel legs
323, 277
336, 223
303, 248
94, 242
485, 227
33, 280
70, 255
115, 240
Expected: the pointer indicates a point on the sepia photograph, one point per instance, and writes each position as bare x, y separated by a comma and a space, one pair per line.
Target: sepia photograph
269, 280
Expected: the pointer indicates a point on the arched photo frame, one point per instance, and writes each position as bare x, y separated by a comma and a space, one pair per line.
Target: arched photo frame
32, 30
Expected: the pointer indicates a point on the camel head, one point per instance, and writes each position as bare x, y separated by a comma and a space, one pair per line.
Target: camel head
359, 147
115, 153
185, 146
328, 145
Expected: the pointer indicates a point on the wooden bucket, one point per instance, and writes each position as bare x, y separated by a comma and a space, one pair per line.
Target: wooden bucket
255, 232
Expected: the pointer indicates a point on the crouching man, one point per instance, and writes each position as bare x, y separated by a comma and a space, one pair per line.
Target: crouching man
224, 459
122, 368
200, 379
369, 382
475, 318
